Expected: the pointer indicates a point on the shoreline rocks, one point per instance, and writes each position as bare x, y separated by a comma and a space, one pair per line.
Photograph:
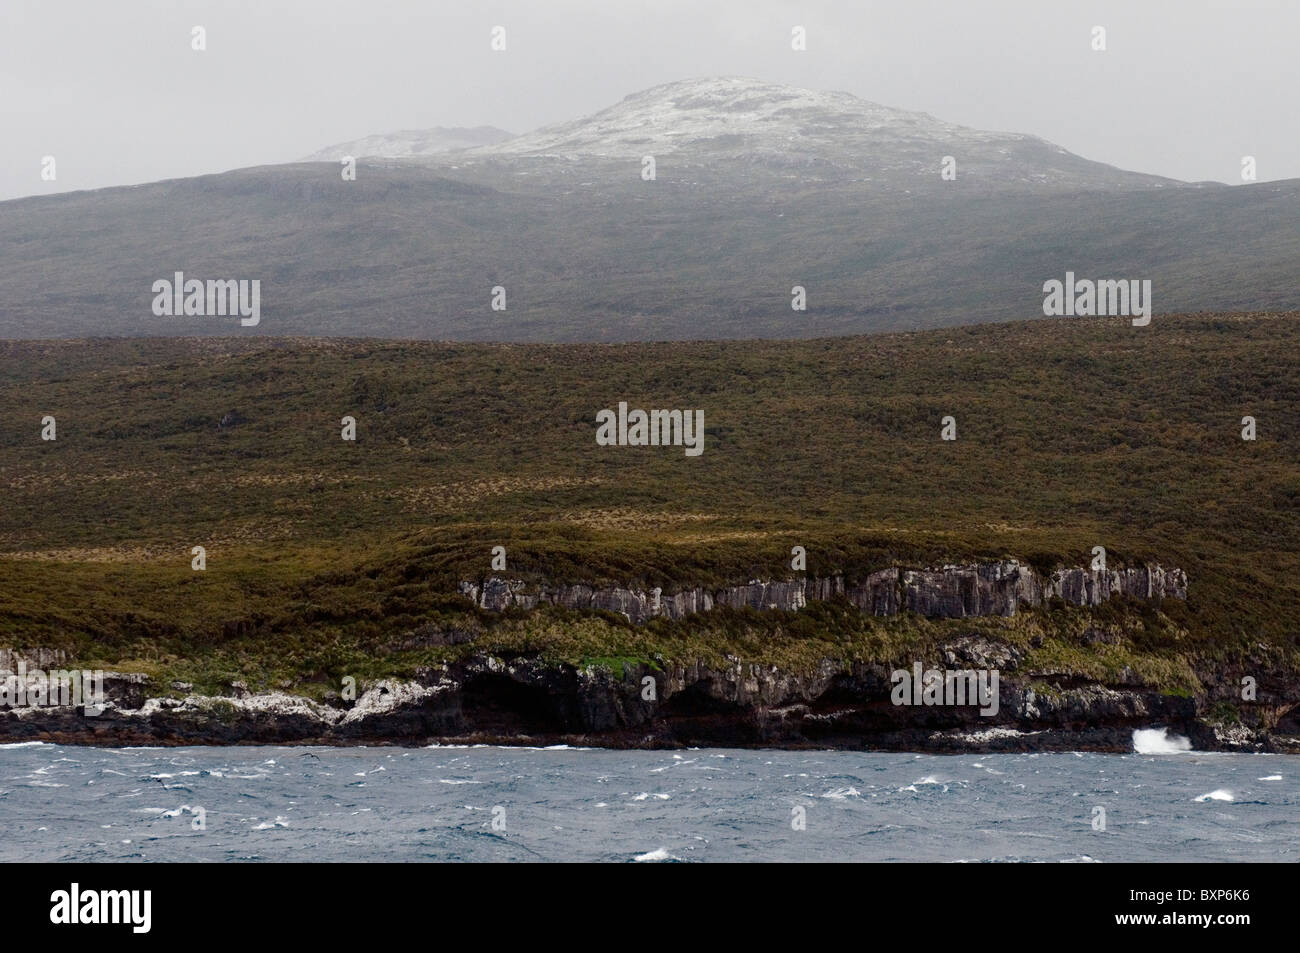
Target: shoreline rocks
528, 701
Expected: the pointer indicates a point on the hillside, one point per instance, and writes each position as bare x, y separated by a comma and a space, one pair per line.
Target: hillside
757, 188
327, 558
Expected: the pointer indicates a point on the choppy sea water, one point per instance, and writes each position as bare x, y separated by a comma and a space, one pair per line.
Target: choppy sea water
565, 804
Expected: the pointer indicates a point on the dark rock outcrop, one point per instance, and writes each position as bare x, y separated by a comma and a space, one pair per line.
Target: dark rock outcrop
527, 700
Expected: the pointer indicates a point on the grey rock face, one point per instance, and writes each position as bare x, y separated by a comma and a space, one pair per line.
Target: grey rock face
33, 658
948, 592
957, 592
1091, 587
877, 594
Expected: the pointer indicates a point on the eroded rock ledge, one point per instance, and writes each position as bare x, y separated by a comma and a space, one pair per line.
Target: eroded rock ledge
948, 592
527, 700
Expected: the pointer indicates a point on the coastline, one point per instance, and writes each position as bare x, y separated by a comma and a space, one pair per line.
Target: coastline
530, 702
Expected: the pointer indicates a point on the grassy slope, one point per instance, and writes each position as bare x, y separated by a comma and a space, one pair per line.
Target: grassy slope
1072, 433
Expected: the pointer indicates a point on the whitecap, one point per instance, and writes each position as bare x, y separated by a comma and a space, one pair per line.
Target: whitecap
657, 855
840, 794
1159, 741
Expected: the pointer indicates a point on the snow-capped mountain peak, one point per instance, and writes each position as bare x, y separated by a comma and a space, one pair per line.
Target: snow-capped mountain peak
735, 123
747, 114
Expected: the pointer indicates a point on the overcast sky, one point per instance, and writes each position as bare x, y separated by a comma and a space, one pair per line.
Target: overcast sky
112, 89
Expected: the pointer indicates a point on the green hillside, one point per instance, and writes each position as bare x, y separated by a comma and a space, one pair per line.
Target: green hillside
326, 556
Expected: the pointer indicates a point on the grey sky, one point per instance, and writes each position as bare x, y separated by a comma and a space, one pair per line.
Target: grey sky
114, 92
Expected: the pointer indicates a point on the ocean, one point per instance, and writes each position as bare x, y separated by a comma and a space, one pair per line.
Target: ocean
62, 803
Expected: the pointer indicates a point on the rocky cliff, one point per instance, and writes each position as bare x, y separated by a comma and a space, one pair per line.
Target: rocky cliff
947, 592
528, 700
492, 697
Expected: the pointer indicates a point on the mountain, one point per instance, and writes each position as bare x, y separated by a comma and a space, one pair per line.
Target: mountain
757, 189
413, 142
727, 118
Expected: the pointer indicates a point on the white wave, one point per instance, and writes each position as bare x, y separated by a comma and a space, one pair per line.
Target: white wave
280, 821
840, 794
657, 855
677, 762
1271, 777
643, 797
1159, 741
26, 744
912, 788
1222, 794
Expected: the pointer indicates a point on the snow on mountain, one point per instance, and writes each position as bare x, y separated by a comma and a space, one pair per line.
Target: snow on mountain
723, 121
413, 142
822, 135
733, 111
